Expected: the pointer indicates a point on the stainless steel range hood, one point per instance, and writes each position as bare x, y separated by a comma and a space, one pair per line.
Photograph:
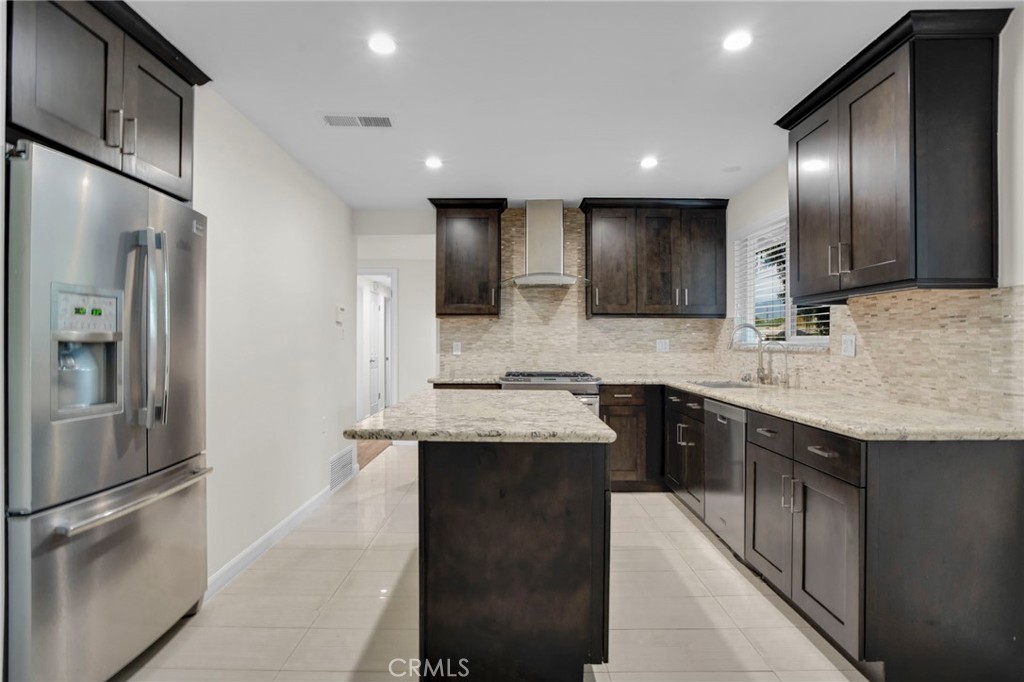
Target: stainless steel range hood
544, 246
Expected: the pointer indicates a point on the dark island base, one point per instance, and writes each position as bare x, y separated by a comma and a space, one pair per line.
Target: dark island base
514, 556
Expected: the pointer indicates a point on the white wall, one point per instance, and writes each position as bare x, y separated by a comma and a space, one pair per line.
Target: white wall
1011, 151
765, 200
417, 221
413, 256
280, 374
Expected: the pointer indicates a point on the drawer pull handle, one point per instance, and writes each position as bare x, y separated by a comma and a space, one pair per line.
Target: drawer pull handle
785, 478
822, 452
673, 399
767, 433
694, 406
623, 395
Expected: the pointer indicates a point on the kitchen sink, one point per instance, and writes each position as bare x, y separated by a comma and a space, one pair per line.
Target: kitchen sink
725, 384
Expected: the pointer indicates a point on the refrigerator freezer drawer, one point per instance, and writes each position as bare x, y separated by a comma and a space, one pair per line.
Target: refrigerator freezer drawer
92, 584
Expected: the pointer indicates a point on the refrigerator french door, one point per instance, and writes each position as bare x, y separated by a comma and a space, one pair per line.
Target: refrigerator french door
106, 493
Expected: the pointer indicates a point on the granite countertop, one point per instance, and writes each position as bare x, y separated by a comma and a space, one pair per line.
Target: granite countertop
486, 416
854, 416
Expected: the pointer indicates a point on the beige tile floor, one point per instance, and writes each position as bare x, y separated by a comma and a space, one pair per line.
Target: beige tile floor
337, 599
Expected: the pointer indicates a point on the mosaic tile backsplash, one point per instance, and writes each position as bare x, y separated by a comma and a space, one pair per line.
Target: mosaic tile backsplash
958, 350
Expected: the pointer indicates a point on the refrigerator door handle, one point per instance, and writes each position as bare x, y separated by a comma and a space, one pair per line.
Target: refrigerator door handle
163, 245
147, 239
71, 530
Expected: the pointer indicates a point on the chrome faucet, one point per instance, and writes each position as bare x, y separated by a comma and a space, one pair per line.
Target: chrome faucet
761, 375
784, 380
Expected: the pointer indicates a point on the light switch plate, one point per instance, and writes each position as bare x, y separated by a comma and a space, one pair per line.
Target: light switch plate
661, 345
849, 345
457, 348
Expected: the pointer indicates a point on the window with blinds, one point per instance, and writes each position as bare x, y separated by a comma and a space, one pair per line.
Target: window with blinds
762, 291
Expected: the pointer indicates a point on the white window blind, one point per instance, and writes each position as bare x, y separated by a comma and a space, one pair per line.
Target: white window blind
762, 291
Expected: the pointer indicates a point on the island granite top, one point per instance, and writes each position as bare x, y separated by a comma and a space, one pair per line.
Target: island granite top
850, 415
486, 416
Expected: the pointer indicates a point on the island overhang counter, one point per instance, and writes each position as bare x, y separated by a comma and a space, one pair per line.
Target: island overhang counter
514, 526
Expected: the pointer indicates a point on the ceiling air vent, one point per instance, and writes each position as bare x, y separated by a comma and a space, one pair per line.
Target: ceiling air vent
356, 121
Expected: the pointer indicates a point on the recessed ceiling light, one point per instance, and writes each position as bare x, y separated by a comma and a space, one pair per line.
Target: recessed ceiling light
737, 41
732, 169
382, 43
648, 162
433, 162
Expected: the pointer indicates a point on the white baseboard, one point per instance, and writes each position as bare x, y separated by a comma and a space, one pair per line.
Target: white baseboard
219, 580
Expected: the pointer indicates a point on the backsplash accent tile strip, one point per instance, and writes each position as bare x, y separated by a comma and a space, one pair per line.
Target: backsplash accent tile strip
953, 350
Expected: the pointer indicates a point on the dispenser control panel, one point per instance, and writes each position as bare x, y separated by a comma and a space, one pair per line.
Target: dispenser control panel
83, 312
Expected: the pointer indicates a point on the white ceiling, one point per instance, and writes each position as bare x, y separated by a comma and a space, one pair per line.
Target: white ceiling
523, 99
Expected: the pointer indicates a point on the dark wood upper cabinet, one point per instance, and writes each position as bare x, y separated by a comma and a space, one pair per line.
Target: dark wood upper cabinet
468, 256
79, 81
814, 203
611, 260
702, 262
66, 62
875, 235
892, 163
655, 257
658, 258
158, 107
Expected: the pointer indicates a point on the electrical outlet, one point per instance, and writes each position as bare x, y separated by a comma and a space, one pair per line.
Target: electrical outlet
661, 345
457, 348
849, 345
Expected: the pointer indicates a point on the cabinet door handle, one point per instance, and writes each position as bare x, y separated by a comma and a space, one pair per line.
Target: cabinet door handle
797, 486
131, 136
605, 418
622, 395
822, 452
115, 121
597, 296
677, 295
694, 406
786, 477
839, 252
832, 271
767, 433
686, 297
679, 434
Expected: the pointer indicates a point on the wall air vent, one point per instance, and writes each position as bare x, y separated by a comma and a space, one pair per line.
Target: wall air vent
356, 121
342, 467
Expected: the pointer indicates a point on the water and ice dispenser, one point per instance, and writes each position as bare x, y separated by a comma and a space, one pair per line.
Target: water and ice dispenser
88, 334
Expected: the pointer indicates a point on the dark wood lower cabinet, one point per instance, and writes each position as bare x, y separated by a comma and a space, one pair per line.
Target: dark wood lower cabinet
692, 432
627, 459
769, 512
828, 551
514, 559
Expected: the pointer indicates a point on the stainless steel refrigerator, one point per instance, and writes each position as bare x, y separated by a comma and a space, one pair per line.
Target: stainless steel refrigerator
106, 437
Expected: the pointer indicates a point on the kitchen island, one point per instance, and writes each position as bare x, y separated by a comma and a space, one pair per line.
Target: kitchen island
514, 531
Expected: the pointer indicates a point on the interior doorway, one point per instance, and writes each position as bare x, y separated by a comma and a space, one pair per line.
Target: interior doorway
376, 325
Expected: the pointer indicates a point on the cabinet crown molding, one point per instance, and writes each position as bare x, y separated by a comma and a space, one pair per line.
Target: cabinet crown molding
500, 204
917, 24
589, 203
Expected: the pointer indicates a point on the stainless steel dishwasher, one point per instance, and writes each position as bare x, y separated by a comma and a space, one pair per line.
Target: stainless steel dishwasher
724, 443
